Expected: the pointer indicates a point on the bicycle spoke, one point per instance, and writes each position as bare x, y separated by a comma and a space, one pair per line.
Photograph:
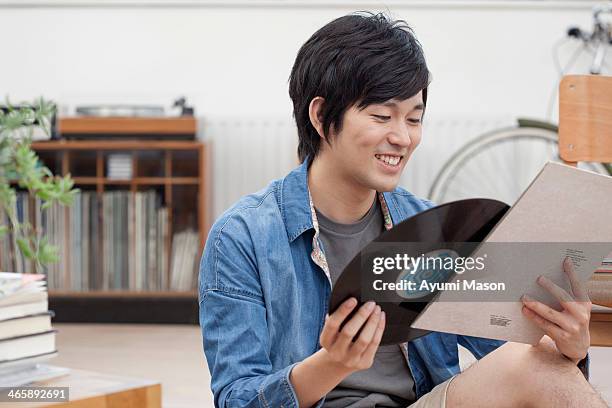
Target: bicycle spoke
498, 165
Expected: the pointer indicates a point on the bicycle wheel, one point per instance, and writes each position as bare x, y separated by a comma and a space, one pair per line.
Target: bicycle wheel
499, 164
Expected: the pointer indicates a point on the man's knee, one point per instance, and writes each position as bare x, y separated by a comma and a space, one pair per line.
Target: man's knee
545, 358
518, 374
533, 366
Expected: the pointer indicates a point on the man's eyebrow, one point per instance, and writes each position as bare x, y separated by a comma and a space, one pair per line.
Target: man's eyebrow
392, 104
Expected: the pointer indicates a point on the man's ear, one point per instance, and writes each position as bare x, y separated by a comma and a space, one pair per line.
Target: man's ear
316, 118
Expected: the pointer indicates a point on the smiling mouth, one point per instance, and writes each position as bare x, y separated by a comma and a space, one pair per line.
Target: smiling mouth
389, 160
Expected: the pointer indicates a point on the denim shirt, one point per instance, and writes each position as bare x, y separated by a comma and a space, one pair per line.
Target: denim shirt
264, 290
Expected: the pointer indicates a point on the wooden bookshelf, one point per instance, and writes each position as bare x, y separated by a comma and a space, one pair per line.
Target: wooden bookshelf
164, 307
137, 181
175, 169
70, 150
115, 294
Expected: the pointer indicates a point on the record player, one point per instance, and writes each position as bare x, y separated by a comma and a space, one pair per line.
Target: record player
130, 122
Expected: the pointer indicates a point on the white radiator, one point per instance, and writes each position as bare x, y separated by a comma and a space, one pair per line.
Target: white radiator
246, 154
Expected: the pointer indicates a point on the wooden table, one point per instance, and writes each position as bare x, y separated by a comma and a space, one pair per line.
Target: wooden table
95, 390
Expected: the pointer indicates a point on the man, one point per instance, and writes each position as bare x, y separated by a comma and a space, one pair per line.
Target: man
359, 91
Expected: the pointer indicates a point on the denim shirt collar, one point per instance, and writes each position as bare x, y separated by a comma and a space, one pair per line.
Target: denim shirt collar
299, 212
297, 208
294, 202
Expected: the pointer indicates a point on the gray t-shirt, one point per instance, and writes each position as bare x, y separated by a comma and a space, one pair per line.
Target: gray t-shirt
388, 383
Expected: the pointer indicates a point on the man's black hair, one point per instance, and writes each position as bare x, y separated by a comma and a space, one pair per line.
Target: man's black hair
358, 59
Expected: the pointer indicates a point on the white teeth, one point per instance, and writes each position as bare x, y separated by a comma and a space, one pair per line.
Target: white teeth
391, 160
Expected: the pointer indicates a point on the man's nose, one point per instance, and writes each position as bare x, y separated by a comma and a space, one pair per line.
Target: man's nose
400, 135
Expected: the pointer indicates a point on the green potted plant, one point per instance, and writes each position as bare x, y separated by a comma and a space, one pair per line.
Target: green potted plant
21, 168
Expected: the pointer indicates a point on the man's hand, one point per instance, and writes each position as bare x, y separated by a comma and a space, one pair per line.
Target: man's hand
338, 343
318, 374
569, 328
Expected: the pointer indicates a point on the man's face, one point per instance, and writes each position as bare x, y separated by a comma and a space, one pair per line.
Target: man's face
375, 143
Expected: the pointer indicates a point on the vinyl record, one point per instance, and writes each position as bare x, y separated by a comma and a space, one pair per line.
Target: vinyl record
442, 230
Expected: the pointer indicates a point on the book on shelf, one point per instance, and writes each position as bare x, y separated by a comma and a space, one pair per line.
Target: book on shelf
600, 289
21, 296
23, 309
25, 325
606, 265
116, 240
185, 246
12, 284
129, 238
596, 308
28, 296
119, 166
27, 345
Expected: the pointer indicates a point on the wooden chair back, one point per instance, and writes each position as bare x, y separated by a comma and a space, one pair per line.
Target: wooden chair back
585, 118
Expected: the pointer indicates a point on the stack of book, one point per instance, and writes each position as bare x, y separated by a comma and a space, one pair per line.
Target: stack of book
606, 265
119, 166
26, 335
600, 286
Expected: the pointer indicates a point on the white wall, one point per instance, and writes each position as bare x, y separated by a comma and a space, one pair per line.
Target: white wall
233, 58
491, 62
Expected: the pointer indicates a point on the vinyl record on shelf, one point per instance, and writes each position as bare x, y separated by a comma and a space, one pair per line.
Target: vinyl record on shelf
429, 232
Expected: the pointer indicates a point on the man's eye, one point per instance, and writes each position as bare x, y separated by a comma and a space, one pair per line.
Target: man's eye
414, 121
381, 117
